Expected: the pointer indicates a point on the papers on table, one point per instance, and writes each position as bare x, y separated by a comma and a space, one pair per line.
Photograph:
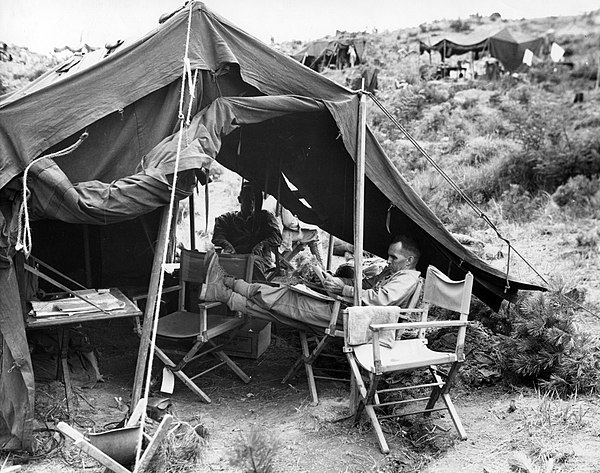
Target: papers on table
73, 305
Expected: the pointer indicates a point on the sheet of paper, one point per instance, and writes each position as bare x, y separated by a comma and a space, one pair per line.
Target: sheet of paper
168, 381
307, 291
74, 305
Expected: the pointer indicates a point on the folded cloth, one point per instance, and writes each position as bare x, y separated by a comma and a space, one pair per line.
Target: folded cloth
359, 319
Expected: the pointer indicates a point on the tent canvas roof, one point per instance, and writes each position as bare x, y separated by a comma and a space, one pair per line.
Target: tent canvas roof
328, 45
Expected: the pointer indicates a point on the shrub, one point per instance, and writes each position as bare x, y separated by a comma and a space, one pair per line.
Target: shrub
519, 205
434, 94
545, 347
577, 191
460, 26
435, 121
404, 155
479, 150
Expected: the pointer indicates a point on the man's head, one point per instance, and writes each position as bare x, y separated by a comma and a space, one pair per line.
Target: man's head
403, 253
248, 199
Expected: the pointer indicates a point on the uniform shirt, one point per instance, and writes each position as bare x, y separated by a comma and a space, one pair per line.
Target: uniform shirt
387, 288
232, 231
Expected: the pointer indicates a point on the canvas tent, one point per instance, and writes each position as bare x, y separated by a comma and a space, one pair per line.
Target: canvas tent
334, 51
256, 111
506, 46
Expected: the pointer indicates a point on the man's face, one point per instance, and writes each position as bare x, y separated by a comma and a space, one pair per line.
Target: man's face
397, 259
246, 200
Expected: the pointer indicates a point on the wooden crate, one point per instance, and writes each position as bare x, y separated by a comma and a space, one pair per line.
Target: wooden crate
250, 341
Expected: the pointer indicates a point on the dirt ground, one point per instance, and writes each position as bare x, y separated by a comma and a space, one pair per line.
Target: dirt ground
505, 426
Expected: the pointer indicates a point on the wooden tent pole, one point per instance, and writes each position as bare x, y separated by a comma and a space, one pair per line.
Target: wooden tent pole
192, 209
359, 197
142, 359
87, 255
330, 251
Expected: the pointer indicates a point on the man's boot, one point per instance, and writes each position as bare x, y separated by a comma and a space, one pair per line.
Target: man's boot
213, 288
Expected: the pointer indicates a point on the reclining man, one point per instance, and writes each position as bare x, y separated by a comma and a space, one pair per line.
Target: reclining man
394, 286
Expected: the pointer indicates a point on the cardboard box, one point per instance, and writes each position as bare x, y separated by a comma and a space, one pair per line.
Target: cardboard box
250, 341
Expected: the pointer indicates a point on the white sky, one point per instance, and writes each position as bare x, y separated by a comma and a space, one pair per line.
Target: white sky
43, 24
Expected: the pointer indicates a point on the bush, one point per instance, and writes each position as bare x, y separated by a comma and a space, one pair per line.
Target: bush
578, 191
545, 347
519, 205
479, 150
460, 26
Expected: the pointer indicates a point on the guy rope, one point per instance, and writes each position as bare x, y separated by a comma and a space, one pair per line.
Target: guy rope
469, 201
184, 121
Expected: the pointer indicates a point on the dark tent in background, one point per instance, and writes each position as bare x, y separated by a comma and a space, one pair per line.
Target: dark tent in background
333, 51
506, 46
258, 112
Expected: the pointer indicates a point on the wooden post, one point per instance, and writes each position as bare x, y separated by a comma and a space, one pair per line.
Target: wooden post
192, 210
153, 299
330, 251
359, 197
86, 256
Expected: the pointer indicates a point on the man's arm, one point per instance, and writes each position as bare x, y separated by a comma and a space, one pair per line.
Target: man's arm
270, 233
394, 292
220, 235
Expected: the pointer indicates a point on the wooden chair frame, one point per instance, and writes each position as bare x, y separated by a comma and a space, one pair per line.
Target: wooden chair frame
204, 325
409, 354
310, 354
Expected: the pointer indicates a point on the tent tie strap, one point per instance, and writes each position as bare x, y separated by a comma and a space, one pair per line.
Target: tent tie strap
23, 227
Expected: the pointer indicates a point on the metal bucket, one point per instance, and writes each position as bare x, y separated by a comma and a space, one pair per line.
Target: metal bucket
119, 444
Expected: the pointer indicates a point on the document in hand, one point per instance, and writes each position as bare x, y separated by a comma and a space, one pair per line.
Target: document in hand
320, 274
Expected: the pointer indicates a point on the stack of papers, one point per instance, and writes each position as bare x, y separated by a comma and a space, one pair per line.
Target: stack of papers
73, 305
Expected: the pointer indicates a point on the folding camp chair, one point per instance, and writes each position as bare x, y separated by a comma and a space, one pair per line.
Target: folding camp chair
408, 354
313, 346
309, 355
201, 323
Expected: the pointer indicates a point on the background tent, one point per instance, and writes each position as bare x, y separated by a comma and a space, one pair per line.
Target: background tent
323, 52
506, 46
258, 112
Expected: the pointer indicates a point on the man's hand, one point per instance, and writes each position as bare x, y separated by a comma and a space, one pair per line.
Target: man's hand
228, 250
333, 285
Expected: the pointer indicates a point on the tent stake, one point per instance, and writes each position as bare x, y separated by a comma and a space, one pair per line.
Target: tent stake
163, 238
359, 197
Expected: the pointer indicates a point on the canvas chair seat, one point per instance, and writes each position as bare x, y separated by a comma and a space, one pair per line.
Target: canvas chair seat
181, 325
404, 355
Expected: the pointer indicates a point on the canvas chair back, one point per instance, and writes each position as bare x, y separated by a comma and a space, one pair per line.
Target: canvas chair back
441, 291
192, 273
